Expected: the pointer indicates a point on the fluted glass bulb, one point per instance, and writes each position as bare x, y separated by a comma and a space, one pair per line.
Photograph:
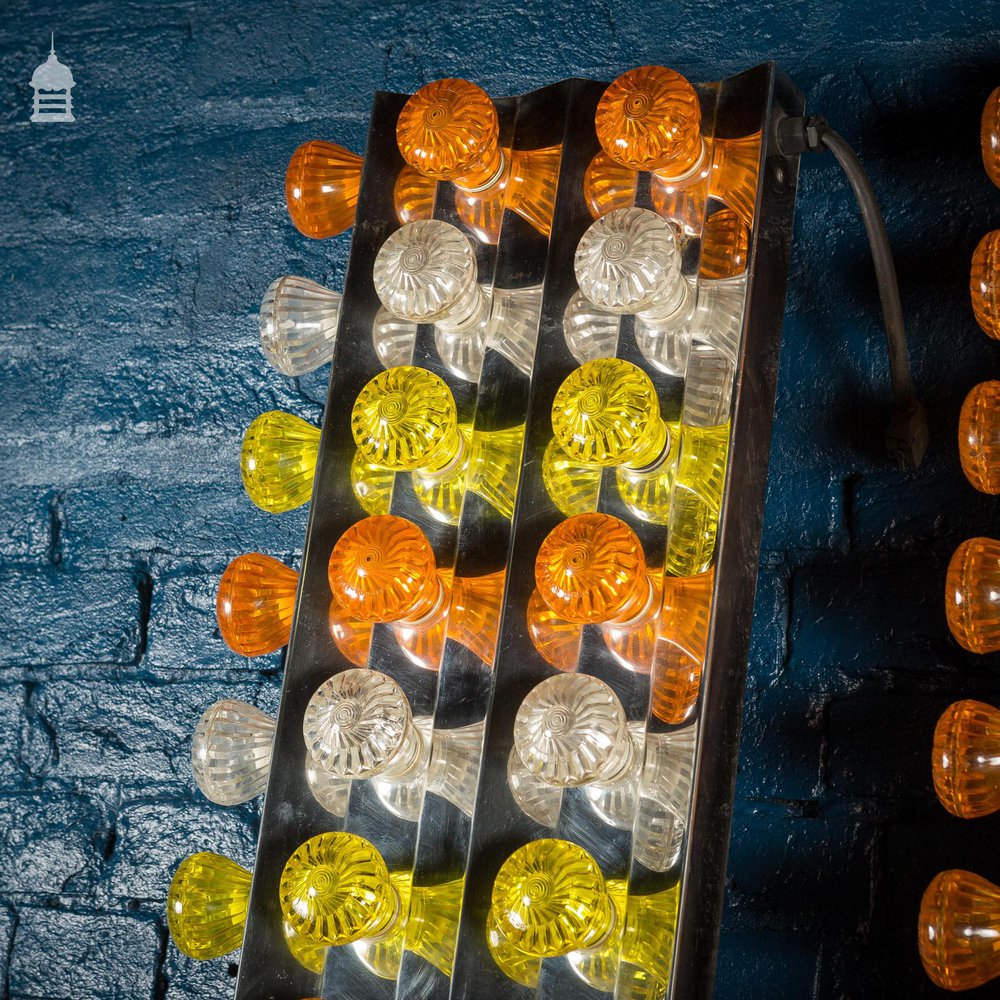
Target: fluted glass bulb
965, 760
725, 246
608, 185
308, 953
538, 799
298, 324
358, 725
255, 604
571, 730
331, 792
278, 461
589, 331
371, 484
393, 338
972, 595
573, 486
591, 569
555, 638
474, 614
413, 196
335, 889
321, 188
550, 898
207, 905
957, 930
453, 769
984, 284
979, 437
231, 752
990, 136
513, 326
449, 130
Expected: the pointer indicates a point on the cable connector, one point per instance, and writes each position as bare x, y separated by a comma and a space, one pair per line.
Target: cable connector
802, 135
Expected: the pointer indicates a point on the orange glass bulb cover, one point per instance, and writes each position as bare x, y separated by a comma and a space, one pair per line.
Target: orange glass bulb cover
984, 284
321, 188
255, 604
979, 437
965, 759
990, 137
972, 595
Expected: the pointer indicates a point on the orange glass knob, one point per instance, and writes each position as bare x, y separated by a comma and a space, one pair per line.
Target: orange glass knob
382, 569
972, 595
979, 437
321, 188
650, 119
591, 569
984, 284
958, 929
255, 603
990, 136
449, 130
965, 761
725, 245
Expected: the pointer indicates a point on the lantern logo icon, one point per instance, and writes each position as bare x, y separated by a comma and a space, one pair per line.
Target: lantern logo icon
53, 82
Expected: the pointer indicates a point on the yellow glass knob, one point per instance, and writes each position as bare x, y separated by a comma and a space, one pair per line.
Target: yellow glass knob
965, 761
449, 130
990, 136
650, 119
321, 188
207, 905
335, 890
984, 284
607, 413
591, 569
405, 419
382, 569
979, 437
972, 595
255, 604
550, 898
278, 461
958, 929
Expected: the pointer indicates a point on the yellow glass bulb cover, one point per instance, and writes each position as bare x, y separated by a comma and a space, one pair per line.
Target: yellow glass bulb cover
972, 595
207, 905
550, 898
278, 461
957, 930
571, 485
321, 188
649, 119
984, 284
382, 569
979, 437
990, 137
449, 130
591, 569
255, 604
405, 419
965, 760
372, 485
607, 413
335, 889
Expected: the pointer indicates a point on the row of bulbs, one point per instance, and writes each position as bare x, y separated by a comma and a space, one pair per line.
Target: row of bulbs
590, 570
959, 919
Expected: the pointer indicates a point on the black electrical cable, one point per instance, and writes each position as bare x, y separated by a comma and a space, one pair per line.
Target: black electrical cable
906, 438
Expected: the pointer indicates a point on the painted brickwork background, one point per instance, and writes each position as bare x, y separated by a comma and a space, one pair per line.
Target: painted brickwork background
136, 245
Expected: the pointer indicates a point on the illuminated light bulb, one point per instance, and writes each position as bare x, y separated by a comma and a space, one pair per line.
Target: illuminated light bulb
255, 604
649, 118
972, 595
979, 437
321, 188
984, 284
331, 792
335, 890
372, 485
957, 930
990, 137
725, 246
682, 643
298, 324
555, 638
965, 760
207, 905
413, 196
231, 752
278, 461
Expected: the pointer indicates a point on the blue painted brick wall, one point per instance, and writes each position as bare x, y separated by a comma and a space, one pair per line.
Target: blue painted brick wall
135, 248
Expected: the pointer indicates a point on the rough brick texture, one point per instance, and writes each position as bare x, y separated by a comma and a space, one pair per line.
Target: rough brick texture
136, 246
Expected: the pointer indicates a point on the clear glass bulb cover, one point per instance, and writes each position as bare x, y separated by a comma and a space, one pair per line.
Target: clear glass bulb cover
571, 729
403, 795
298, 325
278, 461
207, 905
628, 262
358, 725
590, 332
453, 771
426, 273
536, 798
231, 752
393, 338
513, 328
331, 792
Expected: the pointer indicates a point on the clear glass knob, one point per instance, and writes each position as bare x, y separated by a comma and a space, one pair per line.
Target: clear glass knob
453, 771
298, 324
358, 725
231, 752
393, 338
589, 331
534, 797
331, 792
